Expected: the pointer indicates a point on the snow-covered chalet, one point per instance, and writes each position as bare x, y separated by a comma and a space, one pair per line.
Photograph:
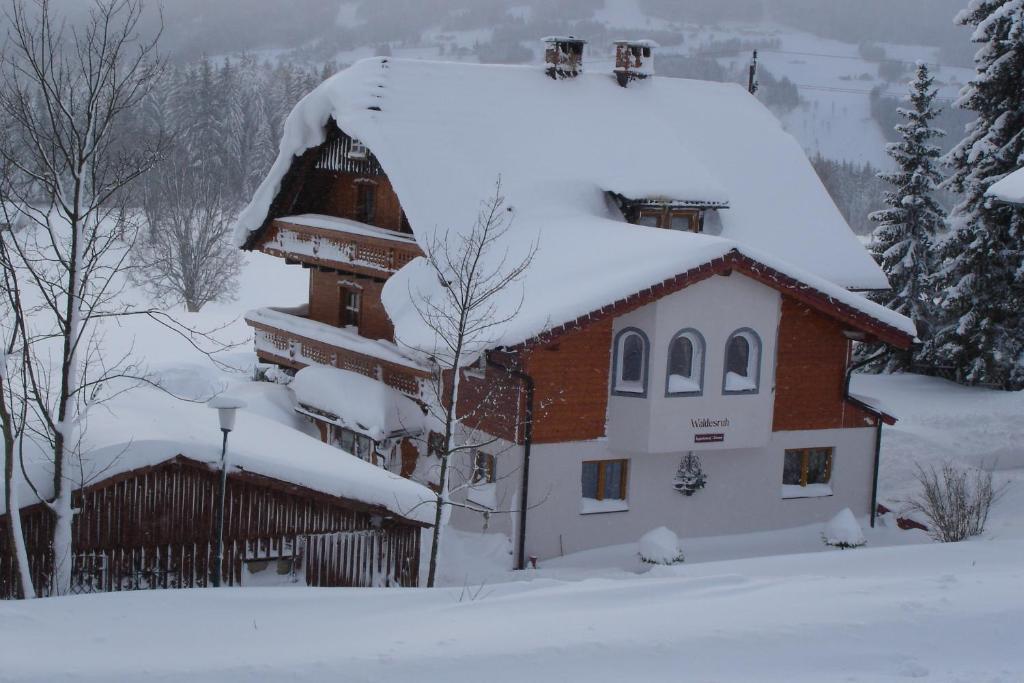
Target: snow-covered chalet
682, 351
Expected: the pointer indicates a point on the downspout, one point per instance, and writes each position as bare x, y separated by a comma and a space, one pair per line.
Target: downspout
874, 477
527, 382
878, 429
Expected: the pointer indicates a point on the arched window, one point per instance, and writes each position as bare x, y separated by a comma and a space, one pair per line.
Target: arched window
685, 371
629, 372
742, 363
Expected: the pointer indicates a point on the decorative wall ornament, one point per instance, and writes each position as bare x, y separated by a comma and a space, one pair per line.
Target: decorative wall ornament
690, 476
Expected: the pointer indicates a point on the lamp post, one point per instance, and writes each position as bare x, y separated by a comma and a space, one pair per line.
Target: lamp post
227, 408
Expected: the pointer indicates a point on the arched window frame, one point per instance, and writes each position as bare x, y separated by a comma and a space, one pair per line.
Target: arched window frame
618, 349
697, 363
753, 362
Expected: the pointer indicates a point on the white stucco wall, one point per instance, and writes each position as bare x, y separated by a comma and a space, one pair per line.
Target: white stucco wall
716, 308
502, 497
743, 492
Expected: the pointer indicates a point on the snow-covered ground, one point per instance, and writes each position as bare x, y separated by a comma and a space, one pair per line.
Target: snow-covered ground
938, 612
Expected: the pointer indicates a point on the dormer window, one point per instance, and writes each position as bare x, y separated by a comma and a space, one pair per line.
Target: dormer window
668, 213
669, 218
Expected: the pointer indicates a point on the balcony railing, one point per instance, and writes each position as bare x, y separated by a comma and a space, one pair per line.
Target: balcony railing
344, 245
295, 342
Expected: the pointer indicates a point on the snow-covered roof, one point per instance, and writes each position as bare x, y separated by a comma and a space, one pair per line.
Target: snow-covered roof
445, 132
144, 428
1010, 189
295, 321
357, 402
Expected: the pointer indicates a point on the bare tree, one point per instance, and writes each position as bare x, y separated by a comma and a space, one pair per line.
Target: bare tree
185, 253
474, 269
63, 91
13, 412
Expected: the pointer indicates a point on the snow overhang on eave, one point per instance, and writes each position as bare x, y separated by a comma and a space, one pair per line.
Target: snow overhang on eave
669, 202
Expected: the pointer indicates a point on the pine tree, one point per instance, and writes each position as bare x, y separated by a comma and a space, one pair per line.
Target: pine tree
980, 284
904, 241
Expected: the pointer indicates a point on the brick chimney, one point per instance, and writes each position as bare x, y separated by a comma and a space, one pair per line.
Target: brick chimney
634, 60
563, 56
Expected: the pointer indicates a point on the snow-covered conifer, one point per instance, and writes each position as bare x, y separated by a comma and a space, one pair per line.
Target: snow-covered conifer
981, 282
903, 243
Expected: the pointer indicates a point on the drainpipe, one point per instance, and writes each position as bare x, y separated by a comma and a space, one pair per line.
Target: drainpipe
878, 429
874, 477
527, 382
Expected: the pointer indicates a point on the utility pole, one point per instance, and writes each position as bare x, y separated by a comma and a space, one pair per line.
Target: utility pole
752, 79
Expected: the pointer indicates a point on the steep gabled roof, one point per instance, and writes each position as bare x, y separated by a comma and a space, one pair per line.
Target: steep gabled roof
444, 132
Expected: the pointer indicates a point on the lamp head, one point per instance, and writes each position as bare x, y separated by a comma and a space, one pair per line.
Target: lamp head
227, 408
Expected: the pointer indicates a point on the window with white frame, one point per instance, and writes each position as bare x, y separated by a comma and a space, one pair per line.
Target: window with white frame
351, 303
742, 363
357, 150
685, 369
629, 376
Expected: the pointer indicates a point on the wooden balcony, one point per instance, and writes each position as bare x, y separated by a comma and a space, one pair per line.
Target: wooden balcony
289, 340
339, 244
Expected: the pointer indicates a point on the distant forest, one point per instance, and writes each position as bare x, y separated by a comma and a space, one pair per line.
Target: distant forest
218, 27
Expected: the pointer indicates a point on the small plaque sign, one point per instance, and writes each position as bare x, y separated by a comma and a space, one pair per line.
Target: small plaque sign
708, 438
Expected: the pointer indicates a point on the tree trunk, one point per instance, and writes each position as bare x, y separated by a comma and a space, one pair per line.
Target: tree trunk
440, 518
16, 537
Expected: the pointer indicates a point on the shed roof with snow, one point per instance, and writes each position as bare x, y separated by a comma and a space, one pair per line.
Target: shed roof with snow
445, 132
144, 428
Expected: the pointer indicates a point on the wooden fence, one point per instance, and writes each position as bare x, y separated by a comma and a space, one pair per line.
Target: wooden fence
153, 528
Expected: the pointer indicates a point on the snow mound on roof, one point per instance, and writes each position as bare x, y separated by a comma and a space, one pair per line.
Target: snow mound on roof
146, 427
445, 132
359, 403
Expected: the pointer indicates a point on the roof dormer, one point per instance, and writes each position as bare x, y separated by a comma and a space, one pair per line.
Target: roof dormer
667, 214
563, 56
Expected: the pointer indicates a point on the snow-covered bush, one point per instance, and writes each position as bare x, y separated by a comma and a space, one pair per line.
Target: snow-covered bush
955, 500
843, 531
660, 546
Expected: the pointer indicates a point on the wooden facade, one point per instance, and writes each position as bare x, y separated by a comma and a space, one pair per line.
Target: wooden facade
154, 528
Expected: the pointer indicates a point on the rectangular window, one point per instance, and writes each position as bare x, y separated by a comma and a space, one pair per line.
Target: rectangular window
807, 466
366, 203
355, 443
357, 150
684, 221
651, 219
604, 479
483, 468
350, 305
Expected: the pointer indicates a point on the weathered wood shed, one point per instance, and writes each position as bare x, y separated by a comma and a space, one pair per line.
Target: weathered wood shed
153, 527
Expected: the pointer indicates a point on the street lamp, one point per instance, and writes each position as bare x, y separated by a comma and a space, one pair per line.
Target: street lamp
227, 408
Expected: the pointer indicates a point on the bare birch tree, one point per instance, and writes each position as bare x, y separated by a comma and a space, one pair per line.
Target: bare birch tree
13, 413
63, 91
185, 255
474, 268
